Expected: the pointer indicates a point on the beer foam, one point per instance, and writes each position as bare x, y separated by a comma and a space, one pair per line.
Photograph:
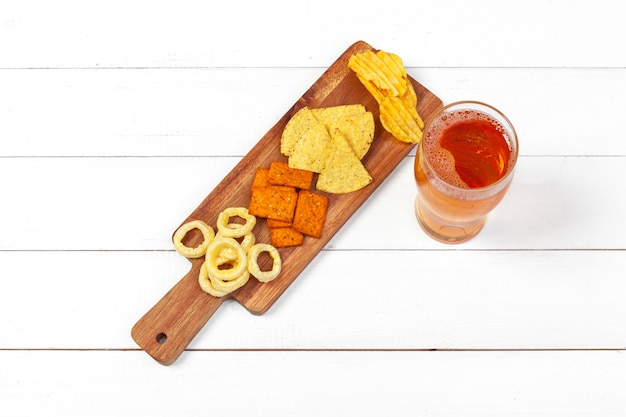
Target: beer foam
441, 160
444, 161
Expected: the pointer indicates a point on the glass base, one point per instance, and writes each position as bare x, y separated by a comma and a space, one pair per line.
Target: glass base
445, 232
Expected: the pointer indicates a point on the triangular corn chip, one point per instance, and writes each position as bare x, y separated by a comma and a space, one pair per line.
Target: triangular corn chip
343, 171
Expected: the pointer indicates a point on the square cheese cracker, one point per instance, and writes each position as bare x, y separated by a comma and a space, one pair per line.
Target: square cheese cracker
310, 213
273, 202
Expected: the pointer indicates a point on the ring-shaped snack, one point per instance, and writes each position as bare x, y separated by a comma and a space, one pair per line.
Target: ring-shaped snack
206, 285
226, 255
207, 232
253, 265
228, 229
213, 261
232, 285
248, 241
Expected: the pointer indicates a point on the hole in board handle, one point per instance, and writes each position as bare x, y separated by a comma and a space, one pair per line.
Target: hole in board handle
161, 338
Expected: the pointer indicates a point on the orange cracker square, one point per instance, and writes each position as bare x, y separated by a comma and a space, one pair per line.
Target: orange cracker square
278, 203
281, 174
276, 224
260, 178
285, 236
310, 213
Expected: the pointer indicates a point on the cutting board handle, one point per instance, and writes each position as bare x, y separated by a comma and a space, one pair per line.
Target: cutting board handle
167, 328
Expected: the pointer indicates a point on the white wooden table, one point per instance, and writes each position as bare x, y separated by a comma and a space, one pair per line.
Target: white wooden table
118, 117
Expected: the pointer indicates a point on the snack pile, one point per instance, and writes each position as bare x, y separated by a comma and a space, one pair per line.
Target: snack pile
283, 196
329, 141
231, 254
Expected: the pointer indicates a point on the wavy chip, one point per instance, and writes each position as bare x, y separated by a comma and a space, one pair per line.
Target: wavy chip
400, 120
371, 67
385, 78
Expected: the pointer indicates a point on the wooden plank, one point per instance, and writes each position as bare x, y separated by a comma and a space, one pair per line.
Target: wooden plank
198, 34
441, 300
184, 310
135, 203
201, 112
547, 68
553, 203
309, 383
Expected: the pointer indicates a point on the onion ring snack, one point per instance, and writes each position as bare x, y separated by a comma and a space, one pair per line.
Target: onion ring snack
207, 232
227, 266
206, 285
228, 254
238, 265
228, 229
253, 265
248, 241
232, 285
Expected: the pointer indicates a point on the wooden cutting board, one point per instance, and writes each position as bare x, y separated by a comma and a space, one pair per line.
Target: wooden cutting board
165, 330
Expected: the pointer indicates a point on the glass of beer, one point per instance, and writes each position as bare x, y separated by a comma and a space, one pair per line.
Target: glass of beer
463, 168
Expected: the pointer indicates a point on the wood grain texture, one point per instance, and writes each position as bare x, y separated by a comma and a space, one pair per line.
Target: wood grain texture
171, 324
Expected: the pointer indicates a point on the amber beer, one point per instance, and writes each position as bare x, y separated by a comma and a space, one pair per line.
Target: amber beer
463, 168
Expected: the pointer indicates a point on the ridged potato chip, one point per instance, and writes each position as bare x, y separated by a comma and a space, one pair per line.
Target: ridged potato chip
371, 88
398, 119
385, 78
372, 68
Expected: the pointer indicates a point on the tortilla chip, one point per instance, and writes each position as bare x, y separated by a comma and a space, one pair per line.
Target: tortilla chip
328, 115
310, 213
309, 152
343, 172
302, 121
308, 139
358, 129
